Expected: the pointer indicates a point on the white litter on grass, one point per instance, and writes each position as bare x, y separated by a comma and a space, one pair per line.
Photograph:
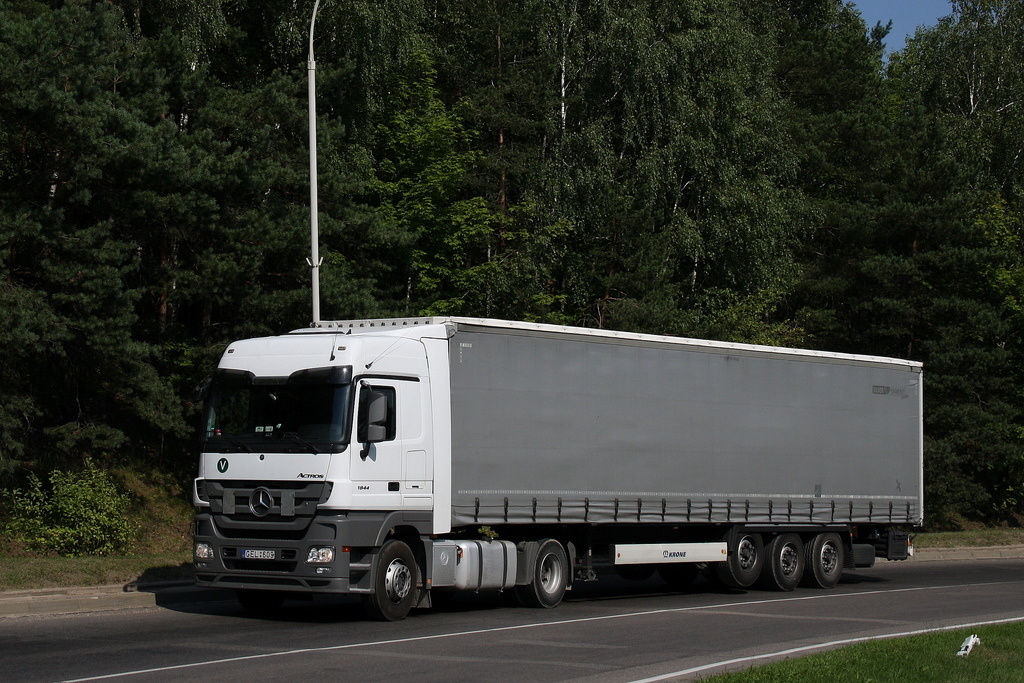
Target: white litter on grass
969, 643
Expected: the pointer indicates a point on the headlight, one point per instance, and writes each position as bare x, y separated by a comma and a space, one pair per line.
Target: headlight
203, 551
320, 555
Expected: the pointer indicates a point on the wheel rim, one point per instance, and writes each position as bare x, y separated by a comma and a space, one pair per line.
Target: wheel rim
747, 553
550, 573
789, 561
397, 581
829, 557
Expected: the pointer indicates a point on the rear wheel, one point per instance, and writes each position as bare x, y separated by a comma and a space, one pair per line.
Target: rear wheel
784, 563
824, 558
746, 556
395, 585
550, 577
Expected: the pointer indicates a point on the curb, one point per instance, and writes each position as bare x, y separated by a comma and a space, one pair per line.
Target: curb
994, 552
41, 601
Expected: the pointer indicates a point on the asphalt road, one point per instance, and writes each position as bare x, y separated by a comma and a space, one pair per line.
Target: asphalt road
608, 631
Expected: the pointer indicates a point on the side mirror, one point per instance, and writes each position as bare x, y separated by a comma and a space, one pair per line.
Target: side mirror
202, 390
373, 418
376, 417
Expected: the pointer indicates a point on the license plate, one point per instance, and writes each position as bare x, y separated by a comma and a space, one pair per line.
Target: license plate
250, 554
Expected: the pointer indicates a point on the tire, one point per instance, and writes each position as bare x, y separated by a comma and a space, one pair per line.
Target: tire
746, 556
395, 585
679, 575
550, 577
824, 558
259, 603
784, 563
635, 572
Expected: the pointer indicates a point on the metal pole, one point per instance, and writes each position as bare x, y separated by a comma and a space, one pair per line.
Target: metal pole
314, 260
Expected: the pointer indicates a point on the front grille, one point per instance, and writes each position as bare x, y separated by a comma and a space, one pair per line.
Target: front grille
294, 505
250, 534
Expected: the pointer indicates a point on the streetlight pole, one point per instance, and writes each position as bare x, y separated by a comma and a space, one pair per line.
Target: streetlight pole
314, 260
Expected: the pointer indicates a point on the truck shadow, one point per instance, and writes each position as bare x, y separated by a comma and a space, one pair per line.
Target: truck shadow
336, 609
154, 577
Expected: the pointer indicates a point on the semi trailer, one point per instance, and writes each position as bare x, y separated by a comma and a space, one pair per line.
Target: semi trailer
407, 459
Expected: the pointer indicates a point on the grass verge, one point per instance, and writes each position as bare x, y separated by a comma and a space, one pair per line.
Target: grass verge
161, 550
18, 573
970, 539
916, 659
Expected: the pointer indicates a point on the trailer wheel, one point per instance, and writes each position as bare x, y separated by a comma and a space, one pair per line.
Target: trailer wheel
746, 556
259, 603
679, 575
550, 577
784, 563
824, 558
395, 583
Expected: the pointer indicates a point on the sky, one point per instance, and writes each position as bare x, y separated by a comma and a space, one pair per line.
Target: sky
906, 16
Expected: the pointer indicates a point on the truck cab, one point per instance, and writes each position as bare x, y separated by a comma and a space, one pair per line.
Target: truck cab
314, 448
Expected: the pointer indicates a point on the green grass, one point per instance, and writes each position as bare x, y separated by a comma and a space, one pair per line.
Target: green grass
929, 658
970, 539
162, 550
58, 572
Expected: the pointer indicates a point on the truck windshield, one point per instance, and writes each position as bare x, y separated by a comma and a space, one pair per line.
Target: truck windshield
278, 418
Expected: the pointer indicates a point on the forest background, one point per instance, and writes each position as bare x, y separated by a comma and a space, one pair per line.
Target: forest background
748, 171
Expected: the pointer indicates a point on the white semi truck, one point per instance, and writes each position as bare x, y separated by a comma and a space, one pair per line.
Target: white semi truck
397, 459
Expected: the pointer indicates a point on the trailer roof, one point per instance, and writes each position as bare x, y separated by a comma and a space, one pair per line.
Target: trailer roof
454, 323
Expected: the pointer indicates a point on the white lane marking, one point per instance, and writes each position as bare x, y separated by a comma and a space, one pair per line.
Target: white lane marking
499, 629
822, 646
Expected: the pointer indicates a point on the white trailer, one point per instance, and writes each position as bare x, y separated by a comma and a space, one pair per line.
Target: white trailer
399, 458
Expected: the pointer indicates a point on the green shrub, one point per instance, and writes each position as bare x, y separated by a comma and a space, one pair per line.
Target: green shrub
79, 513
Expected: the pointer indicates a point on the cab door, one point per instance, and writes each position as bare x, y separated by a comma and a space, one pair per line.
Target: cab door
388, 447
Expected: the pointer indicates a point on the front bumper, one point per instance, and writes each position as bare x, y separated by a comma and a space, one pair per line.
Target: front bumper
288, 569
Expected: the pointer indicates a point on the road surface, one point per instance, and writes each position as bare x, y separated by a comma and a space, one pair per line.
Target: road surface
607, 631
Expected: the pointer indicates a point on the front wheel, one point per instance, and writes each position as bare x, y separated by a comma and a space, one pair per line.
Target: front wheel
395, 583
550, 577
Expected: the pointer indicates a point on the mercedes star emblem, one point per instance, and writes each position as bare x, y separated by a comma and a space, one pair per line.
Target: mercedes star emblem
261, 501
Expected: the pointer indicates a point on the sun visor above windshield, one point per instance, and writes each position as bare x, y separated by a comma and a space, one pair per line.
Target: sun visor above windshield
333, 374
279, 356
